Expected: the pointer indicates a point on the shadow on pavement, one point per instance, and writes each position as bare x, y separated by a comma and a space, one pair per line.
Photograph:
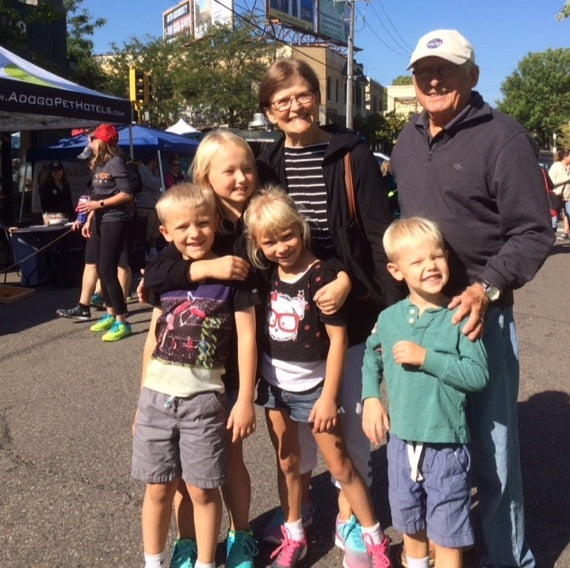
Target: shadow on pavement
545, 456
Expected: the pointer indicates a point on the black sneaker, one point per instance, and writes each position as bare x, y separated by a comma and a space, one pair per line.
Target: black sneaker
78, 313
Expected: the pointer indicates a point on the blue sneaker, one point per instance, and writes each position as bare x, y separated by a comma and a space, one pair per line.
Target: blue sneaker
103, 323
184, 554
272, 532
348, 537
118, 331
97, 301
241, 547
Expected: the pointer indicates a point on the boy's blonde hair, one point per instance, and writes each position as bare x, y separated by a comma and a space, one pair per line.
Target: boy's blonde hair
210, 145
404, 232
271, 212
185, 196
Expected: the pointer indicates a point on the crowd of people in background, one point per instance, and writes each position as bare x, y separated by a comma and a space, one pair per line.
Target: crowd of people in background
291, 270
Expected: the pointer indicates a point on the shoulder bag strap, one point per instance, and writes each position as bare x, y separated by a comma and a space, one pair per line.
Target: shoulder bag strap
349, 184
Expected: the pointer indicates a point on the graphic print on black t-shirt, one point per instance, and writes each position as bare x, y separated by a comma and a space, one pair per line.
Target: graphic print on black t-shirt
195, 327
285, 314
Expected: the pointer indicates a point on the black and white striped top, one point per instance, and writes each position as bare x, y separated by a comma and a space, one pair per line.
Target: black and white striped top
306, 185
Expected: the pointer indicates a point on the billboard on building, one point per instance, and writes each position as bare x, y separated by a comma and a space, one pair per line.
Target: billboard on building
196, 17
178, 20
209, 12
296, 14
333, 20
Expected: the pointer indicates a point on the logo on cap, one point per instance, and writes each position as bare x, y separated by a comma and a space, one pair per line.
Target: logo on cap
434, 43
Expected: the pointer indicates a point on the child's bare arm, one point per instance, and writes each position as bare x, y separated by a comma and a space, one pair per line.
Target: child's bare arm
331, 297
375, 420
169, 271
325, 411
242, 416
150, 341
148, 349
227, 267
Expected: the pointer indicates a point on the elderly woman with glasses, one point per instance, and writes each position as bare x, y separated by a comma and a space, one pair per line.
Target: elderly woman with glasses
310, 162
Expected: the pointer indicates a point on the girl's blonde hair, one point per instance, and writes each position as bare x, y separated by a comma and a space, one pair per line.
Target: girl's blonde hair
212, 143
271, 212
185, 196
405, 232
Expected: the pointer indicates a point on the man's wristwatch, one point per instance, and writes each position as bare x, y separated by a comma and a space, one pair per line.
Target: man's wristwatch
492, 292
102, 203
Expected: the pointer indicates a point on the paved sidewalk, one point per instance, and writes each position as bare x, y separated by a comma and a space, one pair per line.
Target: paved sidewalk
67, 401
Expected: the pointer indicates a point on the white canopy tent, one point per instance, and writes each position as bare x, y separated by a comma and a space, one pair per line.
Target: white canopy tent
182, 127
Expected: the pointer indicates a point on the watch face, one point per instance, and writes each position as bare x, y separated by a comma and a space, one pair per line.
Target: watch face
492, 292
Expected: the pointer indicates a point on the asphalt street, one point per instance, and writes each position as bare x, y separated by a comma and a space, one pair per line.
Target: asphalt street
67, 401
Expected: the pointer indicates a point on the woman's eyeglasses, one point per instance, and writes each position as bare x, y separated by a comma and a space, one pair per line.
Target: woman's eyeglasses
285, 103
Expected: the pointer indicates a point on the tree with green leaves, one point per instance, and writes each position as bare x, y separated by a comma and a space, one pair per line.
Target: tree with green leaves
219, 73
564, 12
15, 18
210, 81
153, 56
84, 68
403, 80
536, 93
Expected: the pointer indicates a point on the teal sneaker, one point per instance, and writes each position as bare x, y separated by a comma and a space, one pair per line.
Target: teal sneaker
241, 547
97, 301
104, 323
348, 537
118, 331
184, 553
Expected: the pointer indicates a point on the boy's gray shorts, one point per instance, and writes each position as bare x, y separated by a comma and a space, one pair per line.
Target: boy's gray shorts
180, 437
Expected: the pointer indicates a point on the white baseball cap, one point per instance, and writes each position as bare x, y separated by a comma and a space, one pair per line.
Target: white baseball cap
447, 44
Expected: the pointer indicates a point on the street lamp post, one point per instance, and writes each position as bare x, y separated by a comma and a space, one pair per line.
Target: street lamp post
350, 67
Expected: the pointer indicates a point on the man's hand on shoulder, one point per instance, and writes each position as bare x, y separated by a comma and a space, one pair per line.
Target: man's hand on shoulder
471, 303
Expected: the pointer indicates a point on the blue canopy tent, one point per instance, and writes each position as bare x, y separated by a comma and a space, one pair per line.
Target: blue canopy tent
138, 141
144, 140
32, 98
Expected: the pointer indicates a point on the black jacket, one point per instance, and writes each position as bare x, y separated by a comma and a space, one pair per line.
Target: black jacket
358, 246
479, 179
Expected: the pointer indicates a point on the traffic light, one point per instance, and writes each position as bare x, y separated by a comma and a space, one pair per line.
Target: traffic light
147, 87
137, 81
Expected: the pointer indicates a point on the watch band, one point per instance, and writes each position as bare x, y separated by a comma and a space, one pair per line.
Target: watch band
492, 292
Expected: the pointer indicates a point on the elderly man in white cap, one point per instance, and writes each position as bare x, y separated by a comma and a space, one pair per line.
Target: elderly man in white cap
474, 171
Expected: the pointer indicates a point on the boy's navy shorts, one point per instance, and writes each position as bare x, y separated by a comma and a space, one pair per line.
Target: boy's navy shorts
180, 438
441, 502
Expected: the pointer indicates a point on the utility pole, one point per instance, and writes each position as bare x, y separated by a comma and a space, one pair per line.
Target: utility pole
350, 66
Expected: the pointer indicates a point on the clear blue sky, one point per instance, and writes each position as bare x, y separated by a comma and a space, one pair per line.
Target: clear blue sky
502, 31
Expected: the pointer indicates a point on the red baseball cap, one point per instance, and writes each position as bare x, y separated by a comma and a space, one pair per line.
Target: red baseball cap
107, 133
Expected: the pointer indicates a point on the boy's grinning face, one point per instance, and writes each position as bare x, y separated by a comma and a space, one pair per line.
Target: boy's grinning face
192, 230
423, 266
